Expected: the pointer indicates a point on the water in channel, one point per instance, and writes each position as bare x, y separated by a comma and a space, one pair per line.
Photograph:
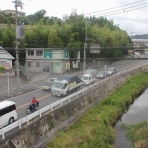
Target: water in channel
136, 113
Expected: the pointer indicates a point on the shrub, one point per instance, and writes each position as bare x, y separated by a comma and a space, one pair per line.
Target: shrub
2, 69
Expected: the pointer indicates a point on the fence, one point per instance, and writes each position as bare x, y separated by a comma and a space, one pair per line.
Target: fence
18, 124
24, 71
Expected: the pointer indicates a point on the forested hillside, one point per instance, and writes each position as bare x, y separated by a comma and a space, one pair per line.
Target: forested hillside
42, 31
143, 36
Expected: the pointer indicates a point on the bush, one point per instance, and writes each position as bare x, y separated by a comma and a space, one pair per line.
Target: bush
96, 128
2, 69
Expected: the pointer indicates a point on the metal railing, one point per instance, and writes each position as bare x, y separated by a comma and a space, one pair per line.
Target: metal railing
39, 113
57, 104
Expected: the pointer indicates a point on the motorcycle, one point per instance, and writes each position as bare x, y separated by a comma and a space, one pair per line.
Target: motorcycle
31, 108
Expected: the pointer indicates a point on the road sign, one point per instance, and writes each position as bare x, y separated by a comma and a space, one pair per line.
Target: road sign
95, 48
66, 54
7, 70
7, 65
47, 54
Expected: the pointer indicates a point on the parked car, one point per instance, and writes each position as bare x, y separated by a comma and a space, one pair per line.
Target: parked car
47, 85
111, 71
102, 74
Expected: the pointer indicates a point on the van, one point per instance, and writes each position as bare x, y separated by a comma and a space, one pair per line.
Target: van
8, 113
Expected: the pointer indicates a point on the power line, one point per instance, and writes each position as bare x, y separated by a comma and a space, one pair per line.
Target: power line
126, 11
113, 7
123, 10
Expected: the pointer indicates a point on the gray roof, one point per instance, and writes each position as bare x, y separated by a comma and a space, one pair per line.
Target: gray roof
4, 55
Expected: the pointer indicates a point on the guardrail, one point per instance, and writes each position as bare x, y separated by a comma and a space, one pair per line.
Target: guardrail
39, 113
57, 104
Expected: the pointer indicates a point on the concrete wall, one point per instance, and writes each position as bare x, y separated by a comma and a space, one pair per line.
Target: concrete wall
39, 128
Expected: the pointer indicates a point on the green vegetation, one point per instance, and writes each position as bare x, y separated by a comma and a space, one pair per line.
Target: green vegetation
138, 134
96, 127
2, 69
43, 32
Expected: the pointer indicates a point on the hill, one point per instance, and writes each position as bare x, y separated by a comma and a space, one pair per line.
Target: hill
143, 36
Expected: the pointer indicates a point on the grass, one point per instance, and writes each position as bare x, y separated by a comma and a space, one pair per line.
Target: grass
137, 134
96, 128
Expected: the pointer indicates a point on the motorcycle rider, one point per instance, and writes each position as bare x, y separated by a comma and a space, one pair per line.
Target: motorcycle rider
34, 103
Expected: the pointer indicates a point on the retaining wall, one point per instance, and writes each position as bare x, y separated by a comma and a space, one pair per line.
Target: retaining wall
41, 126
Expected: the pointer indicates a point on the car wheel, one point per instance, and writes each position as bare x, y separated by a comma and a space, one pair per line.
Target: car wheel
11, 120
67, 93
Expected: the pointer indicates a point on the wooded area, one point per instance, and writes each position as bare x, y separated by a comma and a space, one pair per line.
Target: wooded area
42, 31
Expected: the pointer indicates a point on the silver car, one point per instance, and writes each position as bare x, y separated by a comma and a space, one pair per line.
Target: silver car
111, 71
102, 74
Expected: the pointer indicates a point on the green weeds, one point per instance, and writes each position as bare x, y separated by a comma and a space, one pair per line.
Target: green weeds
96, 128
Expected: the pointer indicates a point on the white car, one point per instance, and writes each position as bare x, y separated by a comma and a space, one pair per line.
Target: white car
111, 71
47, 85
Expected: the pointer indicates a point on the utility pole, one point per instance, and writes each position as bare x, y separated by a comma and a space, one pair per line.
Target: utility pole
131, 40
85, 46
18, 3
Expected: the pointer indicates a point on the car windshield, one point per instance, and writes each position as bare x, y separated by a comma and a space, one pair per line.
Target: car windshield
58, 85
85, 78
52, 79
46, 84
101, 73
51, 83
110, 69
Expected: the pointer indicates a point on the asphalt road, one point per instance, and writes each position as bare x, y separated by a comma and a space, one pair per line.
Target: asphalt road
46, 98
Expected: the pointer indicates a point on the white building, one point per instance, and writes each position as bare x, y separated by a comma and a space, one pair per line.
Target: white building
46, 60
140, 43
5, 57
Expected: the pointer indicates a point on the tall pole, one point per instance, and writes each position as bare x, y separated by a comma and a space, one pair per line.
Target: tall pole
8, 81
18, 3
131, 40
16, 48
85, 46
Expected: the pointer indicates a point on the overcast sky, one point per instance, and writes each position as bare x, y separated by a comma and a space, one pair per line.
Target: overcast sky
132, 21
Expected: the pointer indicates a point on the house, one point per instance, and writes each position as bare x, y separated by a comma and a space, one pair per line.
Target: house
137, 43
5, 57
46, 60
13, 13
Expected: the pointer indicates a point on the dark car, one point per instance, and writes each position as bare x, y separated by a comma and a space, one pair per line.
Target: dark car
111, 71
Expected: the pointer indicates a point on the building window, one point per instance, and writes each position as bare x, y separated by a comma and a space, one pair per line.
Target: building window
3, 63
30, 52
29, 64
39, 53
37, 64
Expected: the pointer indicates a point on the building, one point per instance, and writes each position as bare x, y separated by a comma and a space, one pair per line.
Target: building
13, 13
137, 43
5, 57
46, 60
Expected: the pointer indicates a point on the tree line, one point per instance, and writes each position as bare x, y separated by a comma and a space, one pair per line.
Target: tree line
42, 31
